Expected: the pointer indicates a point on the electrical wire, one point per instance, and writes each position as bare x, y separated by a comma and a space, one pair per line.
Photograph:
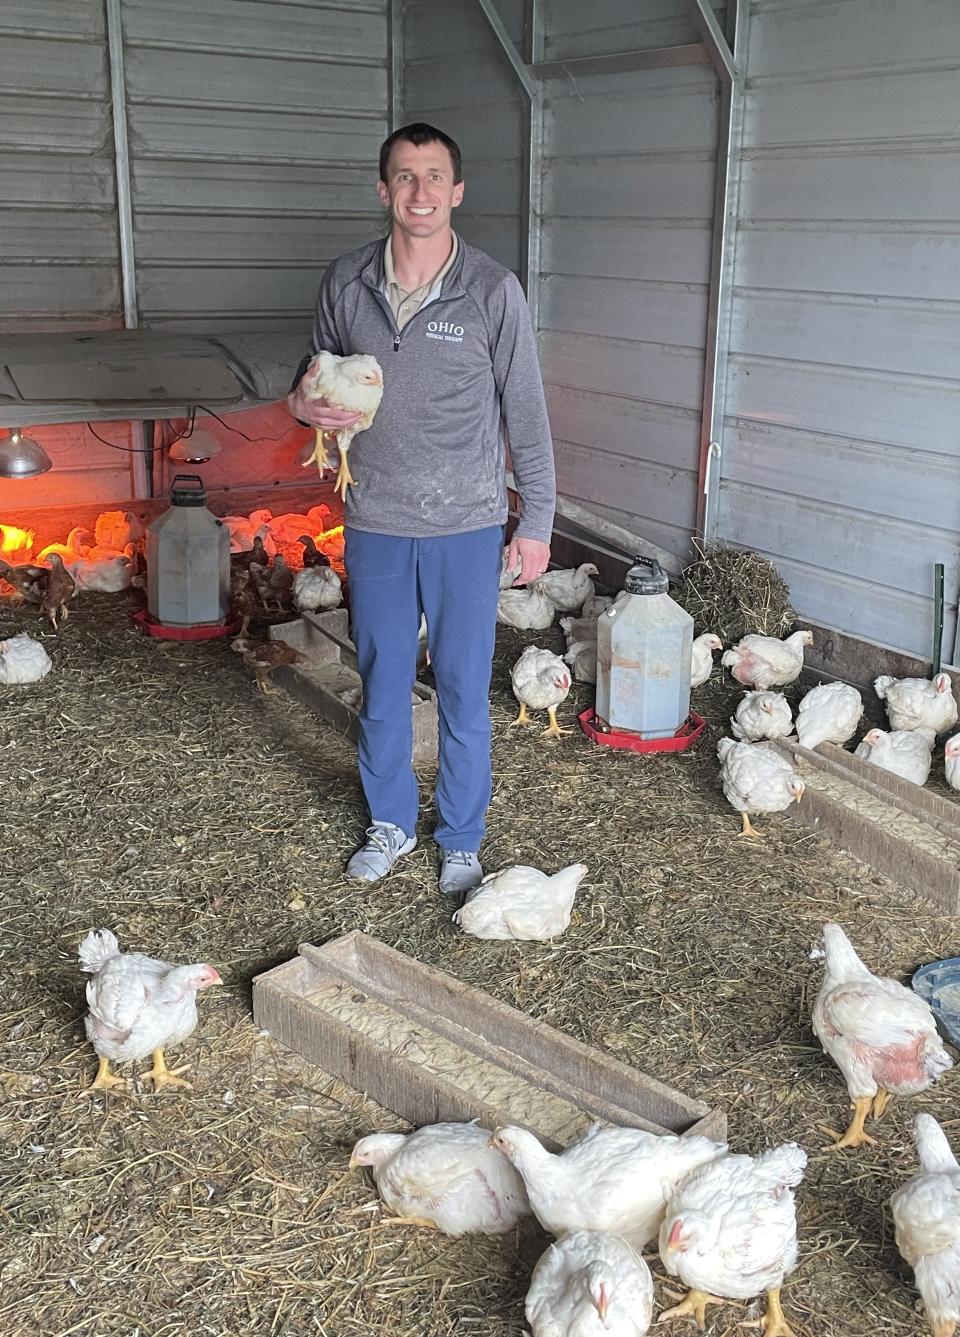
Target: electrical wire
181, 436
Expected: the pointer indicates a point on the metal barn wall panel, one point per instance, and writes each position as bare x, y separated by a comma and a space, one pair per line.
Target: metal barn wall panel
628, 209
252, 127
455, 76
59, 249
841, 444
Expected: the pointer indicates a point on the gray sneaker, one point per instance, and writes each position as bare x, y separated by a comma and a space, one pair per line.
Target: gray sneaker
460, 872
384, 845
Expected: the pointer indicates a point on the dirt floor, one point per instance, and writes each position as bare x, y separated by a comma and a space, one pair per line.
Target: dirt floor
151, 789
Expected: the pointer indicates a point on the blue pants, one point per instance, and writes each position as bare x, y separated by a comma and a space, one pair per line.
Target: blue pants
454, 582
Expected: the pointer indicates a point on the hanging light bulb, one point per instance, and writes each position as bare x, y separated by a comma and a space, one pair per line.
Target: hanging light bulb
22, 457
196, 448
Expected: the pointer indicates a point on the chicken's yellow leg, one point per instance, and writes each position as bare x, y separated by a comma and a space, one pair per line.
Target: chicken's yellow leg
553, 729
344, 478
855, 1136
523, 717
162, 1075
410, 1221
945, 1327
746, 827
694, 1306
880, 1102
773, 1323
105, 1080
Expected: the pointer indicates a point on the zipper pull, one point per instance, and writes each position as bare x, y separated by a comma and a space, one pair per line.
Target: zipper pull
396, 343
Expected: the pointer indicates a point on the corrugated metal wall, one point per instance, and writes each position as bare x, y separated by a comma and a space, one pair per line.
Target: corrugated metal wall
840, 453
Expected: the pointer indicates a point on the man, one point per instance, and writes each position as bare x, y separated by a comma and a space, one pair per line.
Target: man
424, 522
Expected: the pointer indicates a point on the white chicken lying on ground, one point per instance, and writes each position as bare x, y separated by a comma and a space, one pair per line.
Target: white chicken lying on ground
316, 587
540, 680
881, 1036
829, 713
951, 761
905, 752
569, 589
926, 1214
353, 384
138, 1006
756, 779
446, 1176
701, 660
590, 1284
616, 1180
763, 661
527, 608
731, 1232
521, 903
106, 575
918, 703
762, 715
23, 660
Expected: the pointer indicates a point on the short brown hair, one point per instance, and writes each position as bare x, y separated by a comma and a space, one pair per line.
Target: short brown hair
418, 134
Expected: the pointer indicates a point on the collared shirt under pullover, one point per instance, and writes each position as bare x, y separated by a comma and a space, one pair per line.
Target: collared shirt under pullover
462, 368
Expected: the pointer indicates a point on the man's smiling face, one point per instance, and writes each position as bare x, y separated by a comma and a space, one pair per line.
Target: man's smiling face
420, 191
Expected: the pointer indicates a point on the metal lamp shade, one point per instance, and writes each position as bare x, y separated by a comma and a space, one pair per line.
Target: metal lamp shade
22, 457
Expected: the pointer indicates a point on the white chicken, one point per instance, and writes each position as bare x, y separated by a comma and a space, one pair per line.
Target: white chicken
316, 587
951, 761
756, 779
527, 608
926, 1214
595, 604
581, 656
508, 575
522, 903
763, 661
243, 531
138, 1006
23, 660
829, 713
881, 1036
918, 703
731, 1232
106, 575
540, 680
589, 1284
616, 1180
115, 529
446, 1176
353, 384
762, 715
907, 753
569, 589
701, 659
582, 629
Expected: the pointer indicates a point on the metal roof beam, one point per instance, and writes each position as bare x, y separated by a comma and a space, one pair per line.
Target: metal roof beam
509, 50
615, 62
714, 40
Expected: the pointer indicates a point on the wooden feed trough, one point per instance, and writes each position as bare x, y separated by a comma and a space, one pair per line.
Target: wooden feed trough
430, 1048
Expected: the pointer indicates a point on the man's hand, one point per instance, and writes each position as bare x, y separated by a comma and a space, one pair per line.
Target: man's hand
531, 555
318, 412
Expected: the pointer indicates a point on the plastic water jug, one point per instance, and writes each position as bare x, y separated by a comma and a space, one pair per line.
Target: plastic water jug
644, 649
188, 559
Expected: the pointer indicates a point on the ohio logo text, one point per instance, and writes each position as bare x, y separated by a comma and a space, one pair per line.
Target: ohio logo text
445, 330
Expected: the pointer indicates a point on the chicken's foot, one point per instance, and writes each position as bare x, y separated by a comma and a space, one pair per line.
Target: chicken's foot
553, 729
854, 1136
880, 1102
944, 1327
747, 828
694, 1306
522, 718
344, 477
162, 1076
409, 1221
263, 684
773, 1323
105, 1080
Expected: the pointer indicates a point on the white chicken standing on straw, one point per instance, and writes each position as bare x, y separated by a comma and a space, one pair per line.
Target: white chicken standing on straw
589, 1284
138, 1006
918, 703
540, 680
764, 661
926, 1214
829, 713
756, 779
616, 1180
701, 657
762, 715
881, 1036
352, 384
23, 660
521, 903
731, 1232
446, 1177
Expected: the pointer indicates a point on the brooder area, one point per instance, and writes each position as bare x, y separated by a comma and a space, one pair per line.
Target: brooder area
153, 790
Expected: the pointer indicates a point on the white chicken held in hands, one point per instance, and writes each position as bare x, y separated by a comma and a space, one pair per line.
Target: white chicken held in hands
540, 680
521, 903
762, 715
731, 1232
353, 384
829, 713
23, 660
447, 1177
138, 1006
907, 753
701, 659
590, 1284
616, 1180
569, 589
756, 779
881, 1036
918, 703
926, 1214
763, 661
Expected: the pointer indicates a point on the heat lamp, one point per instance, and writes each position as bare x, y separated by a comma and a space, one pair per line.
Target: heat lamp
197, 448
22, 457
